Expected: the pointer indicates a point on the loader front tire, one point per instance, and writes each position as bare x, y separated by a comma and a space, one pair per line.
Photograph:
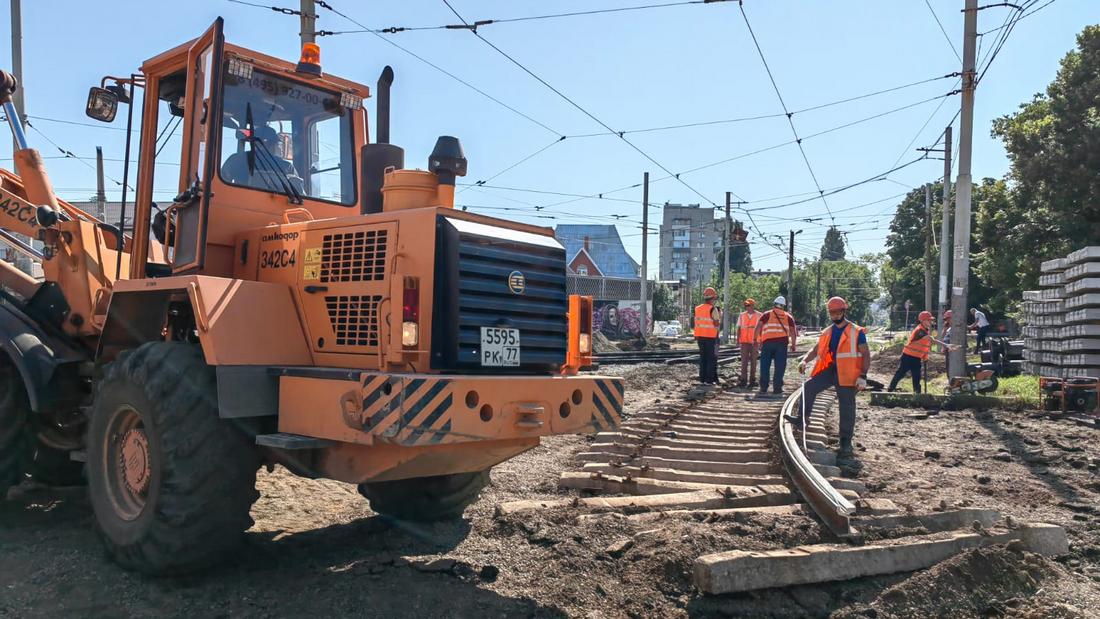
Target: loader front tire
425, 499
171, 483
23, 452
15, 444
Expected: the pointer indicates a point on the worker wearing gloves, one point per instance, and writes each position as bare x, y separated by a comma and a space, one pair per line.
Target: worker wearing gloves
843, 360
746, 340
775, 331
916, 351
706, 320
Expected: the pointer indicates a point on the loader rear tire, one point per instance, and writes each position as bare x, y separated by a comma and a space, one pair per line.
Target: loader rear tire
171, 483
425, 499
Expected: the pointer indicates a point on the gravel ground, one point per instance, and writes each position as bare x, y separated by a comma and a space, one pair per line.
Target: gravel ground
317, 548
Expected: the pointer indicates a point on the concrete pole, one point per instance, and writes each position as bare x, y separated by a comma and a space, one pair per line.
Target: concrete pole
790, 276
645, 248
928, 246
308, 20
945, 230
961, 268
817, 297
727, 306
100, 193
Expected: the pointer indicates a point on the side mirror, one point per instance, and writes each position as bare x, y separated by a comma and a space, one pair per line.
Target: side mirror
102, 104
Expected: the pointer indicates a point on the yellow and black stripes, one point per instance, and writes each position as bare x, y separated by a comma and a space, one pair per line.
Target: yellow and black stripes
608, 400
416, 410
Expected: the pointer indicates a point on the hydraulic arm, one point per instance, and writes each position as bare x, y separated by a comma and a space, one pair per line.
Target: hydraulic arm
78, 251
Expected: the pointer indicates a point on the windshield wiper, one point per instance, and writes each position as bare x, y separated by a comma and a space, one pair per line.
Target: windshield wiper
275, 168
271, 164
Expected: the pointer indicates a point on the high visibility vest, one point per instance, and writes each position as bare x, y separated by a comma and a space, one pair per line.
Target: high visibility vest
918, 348
705, 325
776, 328
849, 361
748, 322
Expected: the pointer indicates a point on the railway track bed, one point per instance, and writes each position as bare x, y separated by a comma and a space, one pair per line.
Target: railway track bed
726, 453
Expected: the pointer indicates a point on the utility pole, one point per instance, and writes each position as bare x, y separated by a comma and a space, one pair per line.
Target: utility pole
961, 268
817, 297
928, 246
645, 247
309, 21
727, 308
945, 230
790, 276
100, 194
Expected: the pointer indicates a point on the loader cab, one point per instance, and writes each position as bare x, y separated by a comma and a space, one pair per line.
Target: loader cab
260, 141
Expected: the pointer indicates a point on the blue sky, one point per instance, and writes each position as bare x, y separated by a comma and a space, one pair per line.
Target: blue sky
631, 70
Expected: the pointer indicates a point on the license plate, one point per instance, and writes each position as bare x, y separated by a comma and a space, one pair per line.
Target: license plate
499, 347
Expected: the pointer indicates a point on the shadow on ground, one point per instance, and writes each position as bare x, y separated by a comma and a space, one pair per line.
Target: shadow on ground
51, 564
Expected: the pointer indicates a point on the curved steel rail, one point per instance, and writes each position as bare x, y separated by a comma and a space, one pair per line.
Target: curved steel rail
830, 505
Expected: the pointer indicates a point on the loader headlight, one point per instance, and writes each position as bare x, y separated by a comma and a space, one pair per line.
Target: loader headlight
585, 343
410, 334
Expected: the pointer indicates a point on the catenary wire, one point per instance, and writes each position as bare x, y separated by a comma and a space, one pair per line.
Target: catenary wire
779, 95
577, 106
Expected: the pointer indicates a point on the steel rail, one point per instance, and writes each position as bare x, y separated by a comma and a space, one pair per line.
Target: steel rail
831, 506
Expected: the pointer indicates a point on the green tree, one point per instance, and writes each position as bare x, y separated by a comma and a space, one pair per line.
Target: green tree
855, 281
905, 249
833, 246
664, 303
1053, 145
740, 257
902, 274
760, 288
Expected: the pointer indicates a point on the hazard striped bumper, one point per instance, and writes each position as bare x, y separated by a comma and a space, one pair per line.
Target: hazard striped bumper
439, 409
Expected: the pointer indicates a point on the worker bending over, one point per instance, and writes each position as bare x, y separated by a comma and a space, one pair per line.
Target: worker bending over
746, 339
843, 360
916, 351
981, 325
775, 331
706, 320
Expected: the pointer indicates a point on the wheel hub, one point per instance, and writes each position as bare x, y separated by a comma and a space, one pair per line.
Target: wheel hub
134, 460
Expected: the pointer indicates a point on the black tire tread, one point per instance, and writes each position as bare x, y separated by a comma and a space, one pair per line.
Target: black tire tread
208, 468
425, 499
14, 439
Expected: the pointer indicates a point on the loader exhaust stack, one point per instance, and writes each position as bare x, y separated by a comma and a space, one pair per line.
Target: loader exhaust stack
377, 157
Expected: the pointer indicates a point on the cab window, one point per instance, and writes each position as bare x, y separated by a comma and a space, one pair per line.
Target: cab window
287, 137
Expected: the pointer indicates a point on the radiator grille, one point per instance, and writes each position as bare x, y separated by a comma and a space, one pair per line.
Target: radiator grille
354, 256
354, 319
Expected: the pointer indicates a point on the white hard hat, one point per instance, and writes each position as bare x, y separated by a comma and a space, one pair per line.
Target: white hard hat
780, 300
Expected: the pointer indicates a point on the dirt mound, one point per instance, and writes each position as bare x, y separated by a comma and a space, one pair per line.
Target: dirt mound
636, 568
983, 582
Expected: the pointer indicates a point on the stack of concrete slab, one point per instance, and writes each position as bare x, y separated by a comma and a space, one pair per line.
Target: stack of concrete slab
1062, 336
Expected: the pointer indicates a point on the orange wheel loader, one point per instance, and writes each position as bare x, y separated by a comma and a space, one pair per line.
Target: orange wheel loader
304, 300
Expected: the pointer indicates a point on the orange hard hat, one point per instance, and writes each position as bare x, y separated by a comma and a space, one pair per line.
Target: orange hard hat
749, 302
710, 293
925, 315
836, 303
947, 315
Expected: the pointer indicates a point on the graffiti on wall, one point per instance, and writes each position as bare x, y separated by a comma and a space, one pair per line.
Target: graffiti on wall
618, 320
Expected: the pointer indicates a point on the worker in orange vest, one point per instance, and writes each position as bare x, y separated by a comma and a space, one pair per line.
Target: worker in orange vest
775, 331
746, 340
707, 320
916, 351
843, 360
